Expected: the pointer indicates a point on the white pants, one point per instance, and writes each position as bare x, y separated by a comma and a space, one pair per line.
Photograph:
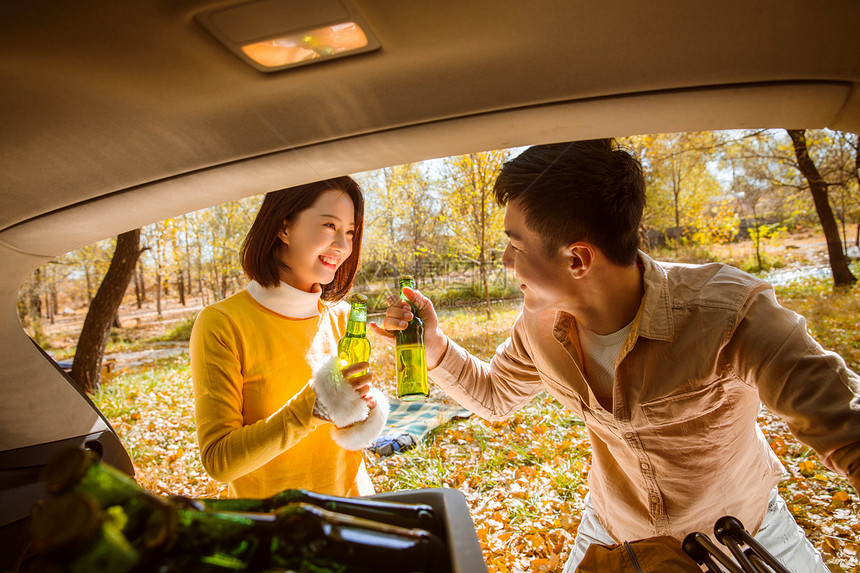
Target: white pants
779, 534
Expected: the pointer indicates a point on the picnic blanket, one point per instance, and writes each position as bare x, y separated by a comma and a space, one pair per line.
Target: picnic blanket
410, 422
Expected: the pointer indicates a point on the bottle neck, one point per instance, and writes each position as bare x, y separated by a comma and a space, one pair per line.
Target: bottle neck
356, 328
357, 325
403, 284
407, 283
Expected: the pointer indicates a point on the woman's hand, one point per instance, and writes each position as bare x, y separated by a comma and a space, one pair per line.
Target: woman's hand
359, 376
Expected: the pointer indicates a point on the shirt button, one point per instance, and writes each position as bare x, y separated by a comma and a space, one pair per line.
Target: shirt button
629, 435
654, 499
644, 466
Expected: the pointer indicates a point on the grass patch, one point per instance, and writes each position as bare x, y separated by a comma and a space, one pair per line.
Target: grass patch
181, 332
152, 411
831, 314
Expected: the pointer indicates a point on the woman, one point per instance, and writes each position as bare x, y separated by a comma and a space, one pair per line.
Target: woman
274, 410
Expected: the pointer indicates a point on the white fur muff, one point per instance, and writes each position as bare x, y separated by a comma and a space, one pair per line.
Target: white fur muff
355, 426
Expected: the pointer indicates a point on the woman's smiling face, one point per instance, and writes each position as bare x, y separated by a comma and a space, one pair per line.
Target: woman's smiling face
318, 241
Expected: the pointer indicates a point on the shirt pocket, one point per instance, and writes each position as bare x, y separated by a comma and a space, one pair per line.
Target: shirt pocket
684, 406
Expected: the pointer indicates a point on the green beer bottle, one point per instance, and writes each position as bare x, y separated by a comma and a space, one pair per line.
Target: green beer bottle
80, 470
354, 346
309, 534
297, 537
186, 539
410, 354
408, 515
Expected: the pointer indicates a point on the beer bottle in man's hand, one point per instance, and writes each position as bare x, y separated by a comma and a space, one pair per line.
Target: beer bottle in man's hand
410, 355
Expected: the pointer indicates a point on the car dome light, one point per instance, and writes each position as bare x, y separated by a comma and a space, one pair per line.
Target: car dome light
273, 35
322, 42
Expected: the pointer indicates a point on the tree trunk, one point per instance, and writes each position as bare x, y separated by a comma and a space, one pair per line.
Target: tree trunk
857, 177
89, 283
757, 238
52, 302
482, 258
676, 195
204, 296
142, 276
158, 293
180, 286
818, 187
86, 367
138, 288
842, 223
34, 303
35, 296
188, 258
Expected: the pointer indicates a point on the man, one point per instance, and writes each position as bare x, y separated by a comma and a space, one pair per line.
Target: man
666, 363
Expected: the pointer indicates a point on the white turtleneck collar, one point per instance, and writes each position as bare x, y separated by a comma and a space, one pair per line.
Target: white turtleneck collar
287, 300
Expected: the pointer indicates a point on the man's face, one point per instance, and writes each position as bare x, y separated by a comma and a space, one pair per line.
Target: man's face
544, 277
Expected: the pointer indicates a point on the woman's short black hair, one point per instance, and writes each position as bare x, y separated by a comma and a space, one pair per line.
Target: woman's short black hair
279, 209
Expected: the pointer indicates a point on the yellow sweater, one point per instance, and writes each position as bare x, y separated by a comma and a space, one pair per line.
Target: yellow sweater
250, 368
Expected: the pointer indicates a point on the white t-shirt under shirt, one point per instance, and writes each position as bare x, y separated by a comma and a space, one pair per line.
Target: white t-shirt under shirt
600, 352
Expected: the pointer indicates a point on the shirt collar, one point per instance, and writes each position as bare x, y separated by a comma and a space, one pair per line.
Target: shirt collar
654, 319
287, 300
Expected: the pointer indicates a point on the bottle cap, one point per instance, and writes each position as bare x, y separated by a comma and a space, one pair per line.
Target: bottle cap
67, 521
65, 469
358, 298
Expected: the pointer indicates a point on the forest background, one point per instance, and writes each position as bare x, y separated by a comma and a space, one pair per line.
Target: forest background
746, 198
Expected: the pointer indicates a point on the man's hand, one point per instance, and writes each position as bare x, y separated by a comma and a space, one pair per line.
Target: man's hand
398, 315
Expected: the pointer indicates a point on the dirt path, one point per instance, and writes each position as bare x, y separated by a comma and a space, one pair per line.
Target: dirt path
140, 326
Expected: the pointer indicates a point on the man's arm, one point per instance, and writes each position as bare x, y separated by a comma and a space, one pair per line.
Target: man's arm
810, 388
492, 390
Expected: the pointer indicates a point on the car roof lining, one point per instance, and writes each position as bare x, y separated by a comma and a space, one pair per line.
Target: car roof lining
109, 98
744, 106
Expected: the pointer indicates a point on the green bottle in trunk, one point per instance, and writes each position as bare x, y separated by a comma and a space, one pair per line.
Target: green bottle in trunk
296, 537
80, 471
408, 515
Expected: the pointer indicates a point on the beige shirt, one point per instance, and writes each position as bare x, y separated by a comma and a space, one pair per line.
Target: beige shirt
681, 446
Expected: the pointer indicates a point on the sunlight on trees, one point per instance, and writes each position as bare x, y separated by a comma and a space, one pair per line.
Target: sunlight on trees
438, 221
475, 219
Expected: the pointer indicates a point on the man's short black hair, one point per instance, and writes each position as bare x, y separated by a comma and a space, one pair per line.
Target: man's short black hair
588, 191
